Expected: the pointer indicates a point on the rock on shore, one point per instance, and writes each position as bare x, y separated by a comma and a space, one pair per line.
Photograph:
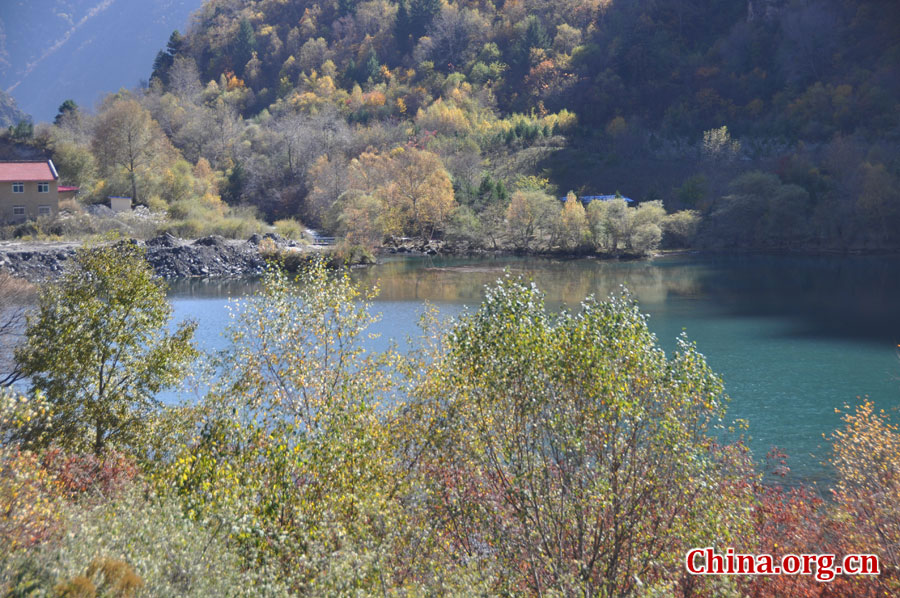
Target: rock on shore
414, 246
170, 257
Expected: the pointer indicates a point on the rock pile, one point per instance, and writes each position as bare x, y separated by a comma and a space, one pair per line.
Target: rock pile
209, 257
414, 246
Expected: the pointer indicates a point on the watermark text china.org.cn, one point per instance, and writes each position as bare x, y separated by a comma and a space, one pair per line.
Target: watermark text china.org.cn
825, 567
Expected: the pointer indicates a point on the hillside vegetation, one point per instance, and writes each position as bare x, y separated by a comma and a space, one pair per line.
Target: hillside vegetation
767, 124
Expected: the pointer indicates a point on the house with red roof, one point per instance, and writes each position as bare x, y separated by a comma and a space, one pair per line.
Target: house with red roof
28, 190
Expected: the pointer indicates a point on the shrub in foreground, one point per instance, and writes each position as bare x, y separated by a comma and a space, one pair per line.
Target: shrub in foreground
568, 453
135, 545
98, 349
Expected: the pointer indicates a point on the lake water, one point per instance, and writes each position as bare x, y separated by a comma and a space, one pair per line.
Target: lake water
793, 337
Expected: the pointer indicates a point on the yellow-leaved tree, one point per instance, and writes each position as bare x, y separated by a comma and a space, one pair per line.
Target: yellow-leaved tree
530, 216
293, 450
412, 185
867, 494
574, 231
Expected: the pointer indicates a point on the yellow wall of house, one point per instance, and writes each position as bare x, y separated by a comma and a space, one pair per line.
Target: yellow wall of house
31, 200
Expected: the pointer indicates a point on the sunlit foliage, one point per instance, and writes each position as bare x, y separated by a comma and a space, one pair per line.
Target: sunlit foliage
567, 452
97, 348
293, 448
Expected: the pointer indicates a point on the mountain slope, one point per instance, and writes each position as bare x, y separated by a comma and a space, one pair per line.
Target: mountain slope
52, 50
674, 99
679, 67
10, 115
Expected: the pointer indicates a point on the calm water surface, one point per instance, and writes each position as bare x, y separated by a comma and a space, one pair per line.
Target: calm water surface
793, 337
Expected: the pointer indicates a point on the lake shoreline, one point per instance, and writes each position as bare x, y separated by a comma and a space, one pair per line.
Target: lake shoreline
450, 251
215, 257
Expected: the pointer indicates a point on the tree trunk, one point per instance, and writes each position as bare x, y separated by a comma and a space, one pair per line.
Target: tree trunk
99, 438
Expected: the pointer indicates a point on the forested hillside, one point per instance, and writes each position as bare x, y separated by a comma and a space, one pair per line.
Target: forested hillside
770, 123
798, 70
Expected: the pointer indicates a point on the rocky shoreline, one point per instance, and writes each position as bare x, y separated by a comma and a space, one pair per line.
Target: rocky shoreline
217, 257
170, 257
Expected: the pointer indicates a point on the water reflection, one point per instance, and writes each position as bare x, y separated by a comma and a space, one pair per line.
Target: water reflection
563, 281
846, 297
212, 288
850, 296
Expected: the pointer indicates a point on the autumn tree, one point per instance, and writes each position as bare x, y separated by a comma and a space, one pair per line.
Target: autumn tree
610, 223
680, 228
719, 145
759, 211
788, 519
530, 217
97, 347
453, 38
568, 451
306, 140
292, 446
413, 186
879, 200
328, 180
867, 493
646, 227
573, 224
361, 219
126, 137
567, 38
465, 227
184, 79
76, 165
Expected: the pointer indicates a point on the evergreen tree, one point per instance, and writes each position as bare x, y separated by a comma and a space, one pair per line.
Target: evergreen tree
371, 68
531, 35
413, 19
421, 14
486, 189
161, 65
535, 34
166, 58
175, 44
402, 31
234, 188
347, 7
23, 130
66, 108
244, 46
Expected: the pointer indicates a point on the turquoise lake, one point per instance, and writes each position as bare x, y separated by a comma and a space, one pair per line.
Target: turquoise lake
793, 337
